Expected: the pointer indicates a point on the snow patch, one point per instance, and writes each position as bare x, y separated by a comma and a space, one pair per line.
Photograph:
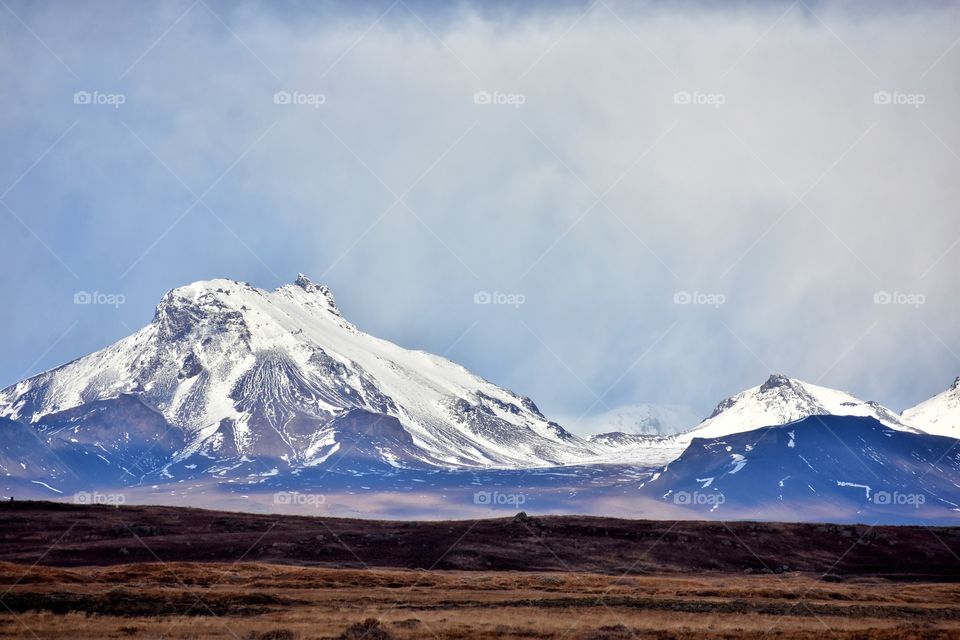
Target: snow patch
866, 488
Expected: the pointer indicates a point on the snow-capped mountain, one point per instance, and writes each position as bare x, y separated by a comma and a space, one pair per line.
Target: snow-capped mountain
780, 400
616, 439
777, 401
226, 374
827, 468
940, 414
643, 419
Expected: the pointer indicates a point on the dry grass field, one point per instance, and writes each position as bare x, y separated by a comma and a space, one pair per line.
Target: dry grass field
262, 601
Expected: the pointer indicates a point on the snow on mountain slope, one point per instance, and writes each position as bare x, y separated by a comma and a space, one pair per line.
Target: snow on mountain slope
243, 372
640, 450
940, 415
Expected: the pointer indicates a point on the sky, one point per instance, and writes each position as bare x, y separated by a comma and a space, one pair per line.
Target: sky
595, 204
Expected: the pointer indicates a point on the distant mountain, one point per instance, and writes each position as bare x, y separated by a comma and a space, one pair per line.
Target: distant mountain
828, 468
230, 380
644, 419
616, 439
940, 414
780, 400
777, 401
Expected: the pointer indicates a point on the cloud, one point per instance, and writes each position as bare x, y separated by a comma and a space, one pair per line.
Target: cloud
614, 157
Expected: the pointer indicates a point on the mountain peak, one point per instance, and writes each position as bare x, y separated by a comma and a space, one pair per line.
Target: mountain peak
304, 282
309, 286
939, 415
780, 400
776, 380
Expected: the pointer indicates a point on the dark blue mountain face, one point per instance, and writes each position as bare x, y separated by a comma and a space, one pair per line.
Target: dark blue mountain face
111, 442
25, 455
836, 468
105, 443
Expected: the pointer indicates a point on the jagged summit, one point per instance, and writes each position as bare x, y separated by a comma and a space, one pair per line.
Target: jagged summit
774, 381
322, 291
304, 282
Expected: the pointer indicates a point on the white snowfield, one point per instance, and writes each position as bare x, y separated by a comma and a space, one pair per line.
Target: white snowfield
215, 347
940, 415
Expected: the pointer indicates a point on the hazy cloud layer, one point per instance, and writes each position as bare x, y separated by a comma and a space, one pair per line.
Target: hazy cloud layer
616, 161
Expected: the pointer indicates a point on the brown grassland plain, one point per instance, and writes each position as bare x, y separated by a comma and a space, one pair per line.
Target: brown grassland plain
275, 602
